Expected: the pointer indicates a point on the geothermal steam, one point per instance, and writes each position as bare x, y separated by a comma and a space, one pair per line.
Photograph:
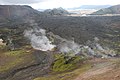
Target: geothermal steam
39, 39
64, 45
69, 47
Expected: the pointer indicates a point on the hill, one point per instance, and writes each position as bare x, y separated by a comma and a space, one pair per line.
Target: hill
15, 11
56, 11
96, 7
17, 14
111, 10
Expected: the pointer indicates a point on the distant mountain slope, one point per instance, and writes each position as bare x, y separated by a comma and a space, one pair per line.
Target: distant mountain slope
94, 6
17, 15
23, 13
90, 7
17, 11
56, 11
111, 10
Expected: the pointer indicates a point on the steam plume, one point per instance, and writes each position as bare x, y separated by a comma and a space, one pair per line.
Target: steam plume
69, 47
64, 45
39, 39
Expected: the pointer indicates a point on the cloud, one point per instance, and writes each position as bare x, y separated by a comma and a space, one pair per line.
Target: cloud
21, 1
49, 4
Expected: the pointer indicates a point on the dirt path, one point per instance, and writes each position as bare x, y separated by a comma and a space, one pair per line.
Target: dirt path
100, 67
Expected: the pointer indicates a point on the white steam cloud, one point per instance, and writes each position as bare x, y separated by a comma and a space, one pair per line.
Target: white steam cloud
64, 45
39, 39
69, 47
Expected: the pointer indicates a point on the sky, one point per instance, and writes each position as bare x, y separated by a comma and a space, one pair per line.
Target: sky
49, 4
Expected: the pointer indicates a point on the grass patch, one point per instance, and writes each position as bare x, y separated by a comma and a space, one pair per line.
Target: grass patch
15, 53
65, 63
19, 52
10, 59
117, 64
10, 65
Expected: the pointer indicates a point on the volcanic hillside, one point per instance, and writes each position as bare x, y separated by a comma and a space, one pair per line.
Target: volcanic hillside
81, 29
20, 60
17, 11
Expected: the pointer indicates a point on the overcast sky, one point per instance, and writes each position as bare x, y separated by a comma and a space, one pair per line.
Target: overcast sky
46, 4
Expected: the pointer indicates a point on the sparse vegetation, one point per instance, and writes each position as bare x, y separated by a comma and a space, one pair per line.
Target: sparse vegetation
10, 65
12, 58
2, 47
65, 63
15, 53
66, 75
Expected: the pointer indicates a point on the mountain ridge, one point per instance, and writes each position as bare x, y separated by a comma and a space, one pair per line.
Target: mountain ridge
111, 10
9, 11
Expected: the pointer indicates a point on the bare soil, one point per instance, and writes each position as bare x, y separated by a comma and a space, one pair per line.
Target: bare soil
103, 69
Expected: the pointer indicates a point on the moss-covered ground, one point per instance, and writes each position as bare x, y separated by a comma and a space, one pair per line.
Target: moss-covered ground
11, 59
66, 68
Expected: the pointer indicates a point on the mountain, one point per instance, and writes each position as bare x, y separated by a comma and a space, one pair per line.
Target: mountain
56, 11
111, 10
91, 7
17, 15
94, 6
22, 13
41, 10
17, 11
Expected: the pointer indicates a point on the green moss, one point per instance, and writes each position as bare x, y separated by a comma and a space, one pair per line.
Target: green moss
5, 30
14, 58
58, 56
21, 51
60, 65
15, 53
65, 63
